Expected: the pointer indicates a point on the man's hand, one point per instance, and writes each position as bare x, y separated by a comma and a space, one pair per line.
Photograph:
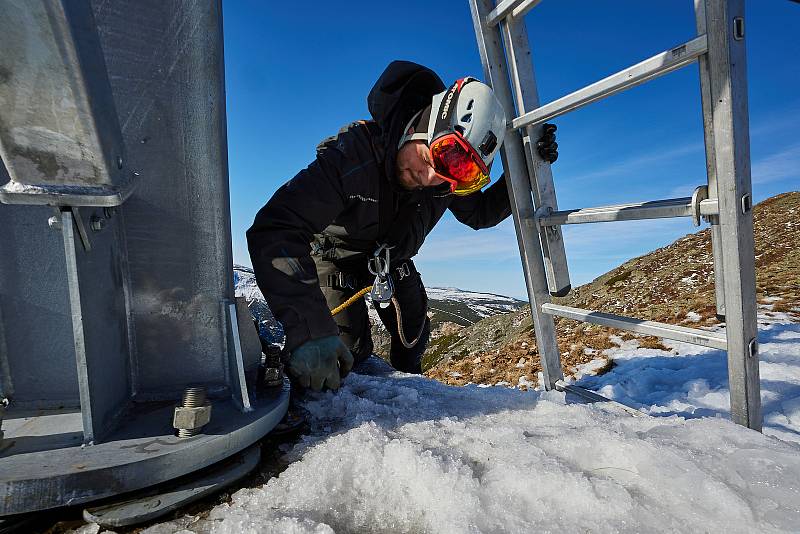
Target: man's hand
320, 363
546, 146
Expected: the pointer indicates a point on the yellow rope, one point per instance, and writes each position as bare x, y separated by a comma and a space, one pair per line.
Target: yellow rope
351, 300
366, 290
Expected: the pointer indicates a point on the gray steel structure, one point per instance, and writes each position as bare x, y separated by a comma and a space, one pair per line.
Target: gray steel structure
725, 200
116, 271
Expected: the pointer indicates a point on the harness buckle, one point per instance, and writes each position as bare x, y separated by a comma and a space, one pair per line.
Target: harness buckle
403, 271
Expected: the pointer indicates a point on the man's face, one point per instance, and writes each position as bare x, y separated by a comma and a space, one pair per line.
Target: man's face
414, 166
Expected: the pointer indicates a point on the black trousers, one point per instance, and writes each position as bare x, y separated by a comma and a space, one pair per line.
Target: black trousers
338, 285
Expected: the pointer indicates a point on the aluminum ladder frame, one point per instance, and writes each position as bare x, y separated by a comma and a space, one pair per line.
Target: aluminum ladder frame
725, 201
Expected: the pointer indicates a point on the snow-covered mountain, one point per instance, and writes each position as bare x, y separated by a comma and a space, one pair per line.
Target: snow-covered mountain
445, 305
467, 307
244, 284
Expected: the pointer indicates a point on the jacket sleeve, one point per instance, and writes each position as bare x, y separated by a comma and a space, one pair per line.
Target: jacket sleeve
279, 244
483, 209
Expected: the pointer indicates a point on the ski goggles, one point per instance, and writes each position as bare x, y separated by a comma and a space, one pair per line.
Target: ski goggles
455, 161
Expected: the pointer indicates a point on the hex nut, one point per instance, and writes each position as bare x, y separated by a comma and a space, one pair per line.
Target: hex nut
273, 377
96, 223
54, 222
191, 418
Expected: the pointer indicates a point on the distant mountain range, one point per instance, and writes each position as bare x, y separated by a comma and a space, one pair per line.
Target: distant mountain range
447, 306
673, 284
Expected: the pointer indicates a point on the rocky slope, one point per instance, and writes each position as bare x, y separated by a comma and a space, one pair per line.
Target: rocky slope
674, 284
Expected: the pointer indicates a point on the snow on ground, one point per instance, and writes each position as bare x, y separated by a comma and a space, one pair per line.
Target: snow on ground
401, 453
694, 382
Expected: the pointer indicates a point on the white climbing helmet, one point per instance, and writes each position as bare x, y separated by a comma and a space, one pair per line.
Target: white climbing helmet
464, 124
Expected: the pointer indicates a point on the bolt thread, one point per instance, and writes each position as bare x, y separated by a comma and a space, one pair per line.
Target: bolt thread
187, 433
194, 397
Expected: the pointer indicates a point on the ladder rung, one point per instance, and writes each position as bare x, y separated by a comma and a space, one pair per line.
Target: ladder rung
657, 209
650, 328
509, 8
641, 72
593, 396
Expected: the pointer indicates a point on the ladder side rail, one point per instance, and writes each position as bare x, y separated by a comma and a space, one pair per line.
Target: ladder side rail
512, 153
711, 171
509, 9
638, 74
523, 82
694, 336
727, 65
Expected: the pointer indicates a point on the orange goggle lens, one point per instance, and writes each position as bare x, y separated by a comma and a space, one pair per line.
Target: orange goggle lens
455, 163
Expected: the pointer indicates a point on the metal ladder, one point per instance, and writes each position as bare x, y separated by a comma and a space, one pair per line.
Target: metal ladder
725, 201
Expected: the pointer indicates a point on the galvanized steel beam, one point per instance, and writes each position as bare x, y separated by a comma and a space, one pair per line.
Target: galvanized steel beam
59, 134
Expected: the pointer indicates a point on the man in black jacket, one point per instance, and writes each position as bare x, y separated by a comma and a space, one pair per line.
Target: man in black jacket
380, 182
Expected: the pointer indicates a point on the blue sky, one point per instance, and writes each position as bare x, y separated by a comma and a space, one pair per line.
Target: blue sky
297, 72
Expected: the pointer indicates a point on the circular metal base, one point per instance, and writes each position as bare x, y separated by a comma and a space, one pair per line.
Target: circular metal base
38, 472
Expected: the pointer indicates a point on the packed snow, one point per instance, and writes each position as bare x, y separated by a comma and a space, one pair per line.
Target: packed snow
692, 381
392, 452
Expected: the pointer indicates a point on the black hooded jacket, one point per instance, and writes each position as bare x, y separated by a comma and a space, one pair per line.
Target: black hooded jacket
343, 204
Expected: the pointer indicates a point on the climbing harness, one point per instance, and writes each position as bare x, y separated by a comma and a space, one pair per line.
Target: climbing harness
382, 291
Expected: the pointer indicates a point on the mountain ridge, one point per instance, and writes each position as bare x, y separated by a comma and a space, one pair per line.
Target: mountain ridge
672, 284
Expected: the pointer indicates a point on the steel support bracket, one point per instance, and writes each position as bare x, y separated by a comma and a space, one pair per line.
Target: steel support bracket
700, 194
752, 348
82, 233
541, 211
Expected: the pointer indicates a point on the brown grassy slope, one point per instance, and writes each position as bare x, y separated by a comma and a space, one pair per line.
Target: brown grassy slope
664, 285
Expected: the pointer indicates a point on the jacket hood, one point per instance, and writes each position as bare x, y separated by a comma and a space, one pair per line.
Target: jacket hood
403, 89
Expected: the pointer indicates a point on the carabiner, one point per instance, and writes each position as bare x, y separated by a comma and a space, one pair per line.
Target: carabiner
377, 265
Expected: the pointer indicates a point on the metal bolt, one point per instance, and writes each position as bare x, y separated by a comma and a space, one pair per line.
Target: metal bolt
193, 413
272, 367
96, 223
108, 212
54, 222
193, 397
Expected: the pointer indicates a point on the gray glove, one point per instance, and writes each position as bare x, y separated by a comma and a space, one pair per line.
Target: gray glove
320, 363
